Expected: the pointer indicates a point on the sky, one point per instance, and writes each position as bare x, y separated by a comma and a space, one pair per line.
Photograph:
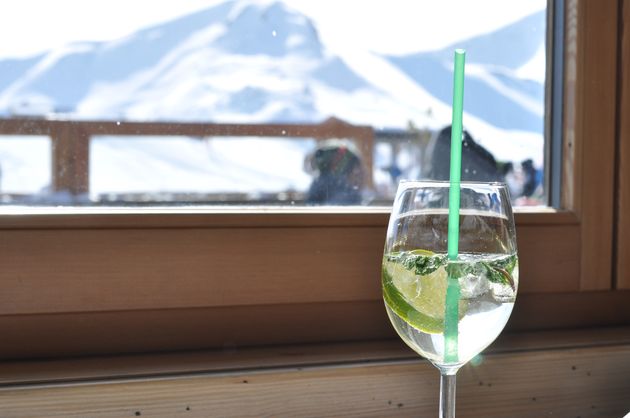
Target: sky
28, 27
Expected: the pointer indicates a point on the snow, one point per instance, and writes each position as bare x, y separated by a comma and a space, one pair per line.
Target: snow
532, 69
25, 163
226, 164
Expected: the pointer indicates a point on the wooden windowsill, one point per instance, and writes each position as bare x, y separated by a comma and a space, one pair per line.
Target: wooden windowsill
564, 373
230, 216
234, 360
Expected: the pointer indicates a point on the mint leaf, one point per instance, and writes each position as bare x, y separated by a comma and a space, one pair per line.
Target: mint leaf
496, 271
507, 263
420, 264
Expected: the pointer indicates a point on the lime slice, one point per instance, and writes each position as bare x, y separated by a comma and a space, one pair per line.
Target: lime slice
418, 299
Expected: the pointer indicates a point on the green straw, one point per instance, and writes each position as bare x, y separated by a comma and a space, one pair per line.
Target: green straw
451, 314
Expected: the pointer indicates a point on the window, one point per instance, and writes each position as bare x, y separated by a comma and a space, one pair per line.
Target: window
94, 280
282, 67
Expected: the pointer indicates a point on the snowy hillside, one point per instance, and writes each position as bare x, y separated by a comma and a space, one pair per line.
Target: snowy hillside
244, 61
233, 62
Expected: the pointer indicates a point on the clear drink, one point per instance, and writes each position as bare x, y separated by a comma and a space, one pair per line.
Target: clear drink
414, 289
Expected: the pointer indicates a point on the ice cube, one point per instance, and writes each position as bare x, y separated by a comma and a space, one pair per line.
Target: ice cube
502, 292
473, 285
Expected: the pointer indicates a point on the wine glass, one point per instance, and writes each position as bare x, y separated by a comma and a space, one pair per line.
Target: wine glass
449, 309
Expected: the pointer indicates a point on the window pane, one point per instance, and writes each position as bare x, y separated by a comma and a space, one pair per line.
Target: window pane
25, 171
338, 105
207, 170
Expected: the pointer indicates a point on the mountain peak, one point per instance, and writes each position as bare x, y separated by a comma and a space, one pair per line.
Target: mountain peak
269, 28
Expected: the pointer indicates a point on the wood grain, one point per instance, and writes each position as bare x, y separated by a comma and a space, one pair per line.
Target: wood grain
623, 185
54, 271
590, 129
157, 269
83, 217
232, 327
571, 147
92, 368
547, 258
585, 382
70, 159
117, 332
328, 129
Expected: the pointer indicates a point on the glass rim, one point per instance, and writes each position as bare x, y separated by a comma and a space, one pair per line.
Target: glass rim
443, 183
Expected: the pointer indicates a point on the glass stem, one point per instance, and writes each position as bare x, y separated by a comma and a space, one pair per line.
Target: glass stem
447, 395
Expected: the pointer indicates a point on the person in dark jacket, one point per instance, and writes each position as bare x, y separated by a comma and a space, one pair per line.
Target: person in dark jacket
339, 179
478, 164
531, 177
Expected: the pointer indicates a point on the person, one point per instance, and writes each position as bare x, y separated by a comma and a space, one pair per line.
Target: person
531, 177
478, 164
524, 181
339, 174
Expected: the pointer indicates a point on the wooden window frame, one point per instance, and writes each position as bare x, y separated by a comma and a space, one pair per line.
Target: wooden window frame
84, 281
622, 218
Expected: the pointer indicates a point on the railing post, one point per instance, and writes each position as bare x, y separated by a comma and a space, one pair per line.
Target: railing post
366, 143
70, 158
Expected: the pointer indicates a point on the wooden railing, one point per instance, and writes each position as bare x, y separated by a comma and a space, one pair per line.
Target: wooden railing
71, 140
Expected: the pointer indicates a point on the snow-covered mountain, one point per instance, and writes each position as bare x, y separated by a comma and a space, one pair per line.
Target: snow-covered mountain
237, 61
242, 61
494, 91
